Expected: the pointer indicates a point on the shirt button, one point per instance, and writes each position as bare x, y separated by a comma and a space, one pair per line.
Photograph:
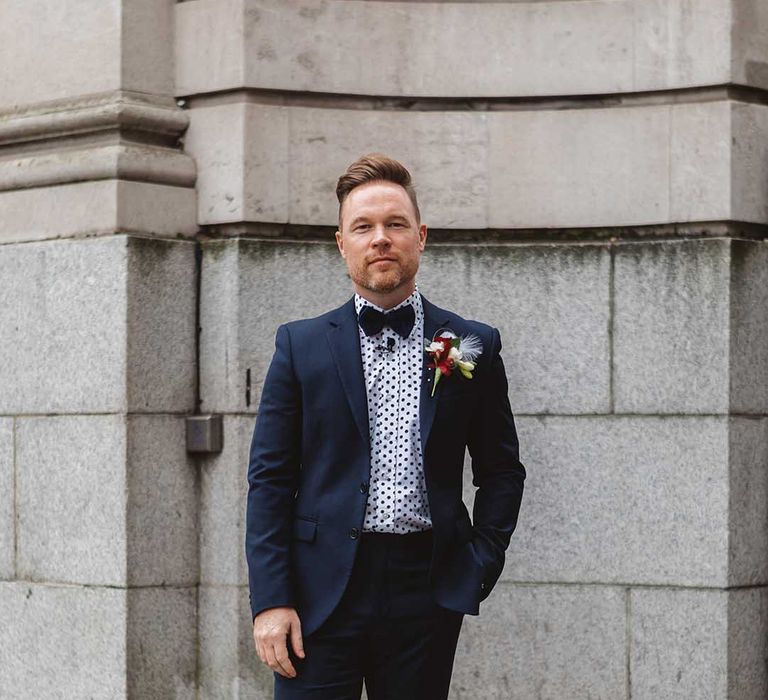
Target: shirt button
364, 487
354, 533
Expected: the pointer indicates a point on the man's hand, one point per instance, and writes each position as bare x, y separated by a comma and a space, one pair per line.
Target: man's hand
271, 628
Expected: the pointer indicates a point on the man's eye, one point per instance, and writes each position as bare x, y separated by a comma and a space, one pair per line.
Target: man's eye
361, 227
397, 224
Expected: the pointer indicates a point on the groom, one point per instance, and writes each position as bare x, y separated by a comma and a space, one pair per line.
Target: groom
362, 556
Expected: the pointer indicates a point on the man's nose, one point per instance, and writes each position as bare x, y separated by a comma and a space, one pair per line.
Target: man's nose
380, 236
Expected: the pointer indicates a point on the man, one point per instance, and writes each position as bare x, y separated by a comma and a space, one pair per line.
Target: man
362, 557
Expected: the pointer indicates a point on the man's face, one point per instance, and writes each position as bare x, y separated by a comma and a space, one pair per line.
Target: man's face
380, 238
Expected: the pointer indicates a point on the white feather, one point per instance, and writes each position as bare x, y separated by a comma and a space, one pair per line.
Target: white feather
470, 347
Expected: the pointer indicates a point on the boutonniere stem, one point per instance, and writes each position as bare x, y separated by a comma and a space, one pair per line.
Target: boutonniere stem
450, 352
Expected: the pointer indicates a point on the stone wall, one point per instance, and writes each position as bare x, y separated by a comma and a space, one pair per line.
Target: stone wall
595, 177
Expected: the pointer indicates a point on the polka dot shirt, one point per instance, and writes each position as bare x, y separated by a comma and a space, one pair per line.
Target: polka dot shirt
397, 493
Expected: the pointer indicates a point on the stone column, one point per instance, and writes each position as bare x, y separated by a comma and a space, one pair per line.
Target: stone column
595, 177
98, 501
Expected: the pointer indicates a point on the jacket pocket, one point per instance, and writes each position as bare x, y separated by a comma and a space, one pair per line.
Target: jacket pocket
304, 529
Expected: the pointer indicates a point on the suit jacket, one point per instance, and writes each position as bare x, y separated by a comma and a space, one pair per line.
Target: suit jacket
309, 468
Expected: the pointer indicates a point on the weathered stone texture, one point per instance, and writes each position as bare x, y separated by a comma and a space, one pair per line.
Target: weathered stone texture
554, 333
229, 668
552, 312
748, 373
223, 492
671, 327
63, 349
161, 649
95, 642
249, 289
44, 67
7, 501
62, 642
748, 644
105, 500
546, 168
525, 48
97, 207
107, 324
679, 644
71, 499
547, 642
699, 644
748, 501
161, 298
623, 500
162, 504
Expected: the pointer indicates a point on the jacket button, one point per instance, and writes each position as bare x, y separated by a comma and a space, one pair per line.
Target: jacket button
354, 533
482, 586
364, 487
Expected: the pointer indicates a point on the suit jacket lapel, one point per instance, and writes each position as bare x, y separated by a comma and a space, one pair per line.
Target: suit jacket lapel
344, 339
435, 318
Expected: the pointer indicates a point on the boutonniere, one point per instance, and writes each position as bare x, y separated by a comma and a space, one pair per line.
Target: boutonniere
449, 352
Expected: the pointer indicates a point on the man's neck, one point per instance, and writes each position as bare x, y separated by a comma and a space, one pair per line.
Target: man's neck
387, 300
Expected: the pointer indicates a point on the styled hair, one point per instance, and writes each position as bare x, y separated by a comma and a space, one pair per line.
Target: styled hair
375, 167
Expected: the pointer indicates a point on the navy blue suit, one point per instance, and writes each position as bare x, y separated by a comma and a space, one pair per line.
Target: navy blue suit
310, 465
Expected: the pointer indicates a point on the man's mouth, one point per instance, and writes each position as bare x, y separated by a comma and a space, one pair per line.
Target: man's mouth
382, 260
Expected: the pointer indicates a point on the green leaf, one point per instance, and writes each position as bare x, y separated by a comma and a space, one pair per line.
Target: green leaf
438, 374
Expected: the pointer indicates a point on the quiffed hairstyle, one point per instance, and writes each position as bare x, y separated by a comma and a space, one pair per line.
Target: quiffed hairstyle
375, 167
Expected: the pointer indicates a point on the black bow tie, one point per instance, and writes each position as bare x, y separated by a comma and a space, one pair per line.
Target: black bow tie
400, 320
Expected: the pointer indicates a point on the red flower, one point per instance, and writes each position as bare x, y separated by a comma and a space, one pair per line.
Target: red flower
441, 359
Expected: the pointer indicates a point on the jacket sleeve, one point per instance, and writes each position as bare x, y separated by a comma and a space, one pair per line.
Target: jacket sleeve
496, 468
273, 471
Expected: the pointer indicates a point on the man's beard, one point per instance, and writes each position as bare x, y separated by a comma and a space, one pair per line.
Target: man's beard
383, 283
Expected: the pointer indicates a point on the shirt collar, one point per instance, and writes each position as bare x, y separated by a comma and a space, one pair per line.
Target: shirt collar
414, 299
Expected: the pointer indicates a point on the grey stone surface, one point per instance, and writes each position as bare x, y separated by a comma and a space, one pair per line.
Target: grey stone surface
748, 373
96, 642
749, 57
62, 642
585, 167
105, 500
748, 501
72, 499
107, 324
216, 138
748, 644
7, 501
700, 167
161, 298
89, 46
679, 644
229, 668
64, 347
97, 207
627, 165
550, 290
615, 499
525, 48
162, 508
223, 493
92, 29
671, 327
249, 289
551, 307
547, 642
750, 154
161, 643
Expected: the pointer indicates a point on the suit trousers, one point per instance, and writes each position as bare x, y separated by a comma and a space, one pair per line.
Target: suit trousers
386, 631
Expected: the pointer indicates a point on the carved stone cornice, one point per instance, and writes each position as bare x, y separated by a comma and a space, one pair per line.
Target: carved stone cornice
116, 135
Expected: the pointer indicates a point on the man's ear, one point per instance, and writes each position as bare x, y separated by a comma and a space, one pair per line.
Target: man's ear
340, 243
422, 237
